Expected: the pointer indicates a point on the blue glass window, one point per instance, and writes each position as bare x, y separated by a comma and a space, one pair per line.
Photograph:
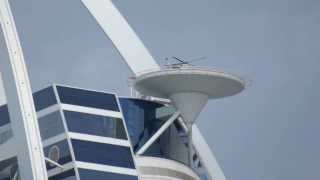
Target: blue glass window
63, 155
95, 125
67, 175
10, 164
143, 118
4, 115
99, 175
100, 153
5, 135
51, 125
88, 98
44, 98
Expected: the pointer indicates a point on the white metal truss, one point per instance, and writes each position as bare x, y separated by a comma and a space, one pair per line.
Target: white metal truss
206, 156
23, 117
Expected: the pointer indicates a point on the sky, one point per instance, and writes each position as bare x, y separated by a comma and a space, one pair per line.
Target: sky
268, 132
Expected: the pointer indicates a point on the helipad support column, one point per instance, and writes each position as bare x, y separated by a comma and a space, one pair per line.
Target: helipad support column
189, 89
20, 102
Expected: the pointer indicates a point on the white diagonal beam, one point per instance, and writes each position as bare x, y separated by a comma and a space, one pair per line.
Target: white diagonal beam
158, 133
129, 45
206, 156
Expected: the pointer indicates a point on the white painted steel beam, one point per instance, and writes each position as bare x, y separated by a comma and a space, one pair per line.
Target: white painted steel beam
122, 35
206, 156
2, 93
23, 117
53, 163
158, 133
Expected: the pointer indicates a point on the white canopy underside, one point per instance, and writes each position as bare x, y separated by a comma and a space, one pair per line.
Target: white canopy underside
188, 88
212, 83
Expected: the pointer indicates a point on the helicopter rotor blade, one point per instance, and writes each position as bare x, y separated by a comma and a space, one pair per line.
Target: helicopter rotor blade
178, 59
198, 59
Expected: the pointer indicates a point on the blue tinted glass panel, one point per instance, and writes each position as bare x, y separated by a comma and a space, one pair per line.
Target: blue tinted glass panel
141, 121
8, 167
64, 155
4, 115
87, 98
99, 175
143, 118
67, 175
44, 98
6, 132
51, 125
95, 125
102, 153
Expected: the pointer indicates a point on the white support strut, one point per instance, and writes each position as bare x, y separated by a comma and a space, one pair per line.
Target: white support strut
53, 162
23, 117
158, 133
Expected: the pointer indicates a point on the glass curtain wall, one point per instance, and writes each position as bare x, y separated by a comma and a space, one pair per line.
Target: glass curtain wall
144, 118
99, 133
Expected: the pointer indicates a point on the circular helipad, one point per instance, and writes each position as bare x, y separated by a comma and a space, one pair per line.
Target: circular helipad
166, 82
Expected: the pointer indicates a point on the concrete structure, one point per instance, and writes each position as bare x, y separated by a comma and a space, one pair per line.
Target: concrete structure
188, 88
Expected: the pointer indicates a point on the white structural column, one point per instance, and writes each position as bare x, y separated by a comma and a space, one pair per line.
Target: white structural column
20, 101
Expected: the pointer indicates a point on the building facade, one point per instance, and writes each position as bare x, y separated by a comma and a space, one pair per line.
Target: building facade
92, 135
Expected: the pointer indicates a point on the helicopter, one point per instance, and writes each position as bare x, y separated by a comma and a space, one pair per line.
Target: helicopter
181, 63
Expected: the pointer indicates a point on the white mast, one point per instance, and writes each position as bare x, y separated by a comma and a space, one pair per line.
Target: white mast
26, 135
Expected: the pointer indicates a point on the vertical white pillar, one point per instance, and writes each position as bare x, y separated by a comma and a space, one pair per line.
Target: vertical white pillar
20, 102
2, 94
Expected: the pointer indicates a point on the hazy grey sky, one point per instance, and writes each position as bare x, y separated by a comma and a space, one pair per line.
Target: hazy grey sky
268, 132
